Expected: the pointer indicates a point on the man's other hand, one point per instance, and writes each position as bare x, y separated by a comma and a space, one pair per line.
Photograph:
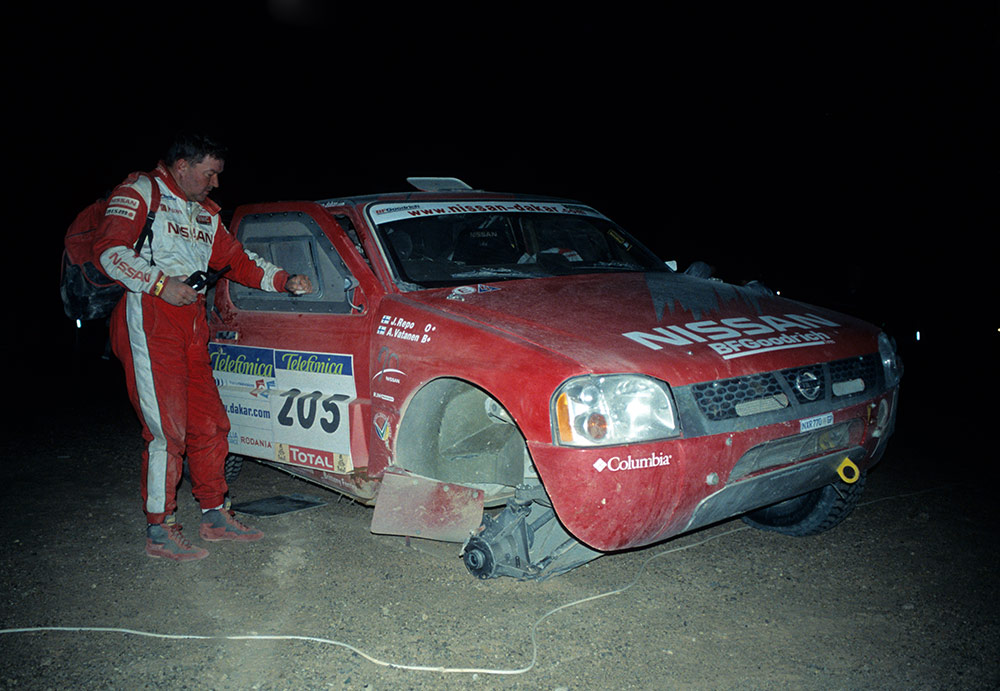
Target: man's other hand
299, 284
177, 292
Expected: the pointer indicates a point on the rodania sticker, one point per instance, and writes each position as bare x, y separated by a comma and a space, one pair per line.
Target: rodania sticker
617, 463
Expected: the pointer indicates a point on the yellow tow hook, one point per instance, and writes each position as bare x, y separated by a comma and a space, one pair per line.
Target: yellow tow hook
848, 472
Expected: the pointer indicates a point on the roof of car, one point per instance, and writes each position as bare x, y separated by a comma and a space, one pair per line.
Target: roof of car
430, 189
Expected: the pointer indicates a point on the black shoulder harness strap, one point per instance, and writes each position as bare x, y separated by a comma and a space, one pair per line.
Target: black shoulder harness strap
147, 230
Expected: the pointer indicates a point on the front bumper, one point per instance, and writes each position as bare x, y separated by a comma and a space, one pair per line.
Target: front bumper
623, 497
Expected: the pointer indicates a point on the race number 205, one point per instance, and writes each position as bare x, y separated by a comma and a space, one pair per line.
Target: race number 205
306, 410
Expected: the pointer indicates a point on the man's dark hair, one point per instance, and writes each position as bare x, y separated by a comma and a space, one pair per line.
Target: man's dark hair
193, 148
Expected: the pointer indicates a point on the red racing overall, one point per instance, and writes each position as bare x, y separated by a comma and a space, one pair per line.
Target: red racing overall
164, 348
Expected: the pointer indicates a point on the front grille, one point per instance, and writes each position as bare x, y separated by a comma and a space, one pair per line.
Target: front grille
728, 398
755, 394
808, 384
848, 375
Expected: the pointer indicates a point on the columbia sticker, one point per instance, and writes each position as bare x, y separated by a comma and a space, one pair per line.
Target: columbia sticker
617, 463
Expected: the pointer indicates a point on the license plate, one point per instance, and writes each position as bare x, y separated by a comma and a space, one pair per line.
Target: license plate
811, 423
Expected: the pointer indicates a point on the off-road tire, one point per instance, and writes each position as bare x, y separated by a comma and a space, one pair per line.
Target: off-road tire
232, 468
811, 513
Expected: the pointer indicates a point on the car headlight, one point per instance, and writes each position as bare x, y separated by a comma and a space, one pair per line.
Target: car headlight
612, 410
891, 364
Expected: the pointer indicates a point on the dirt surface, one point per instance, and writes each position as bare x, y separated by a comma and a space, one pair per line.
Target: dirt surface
902, 595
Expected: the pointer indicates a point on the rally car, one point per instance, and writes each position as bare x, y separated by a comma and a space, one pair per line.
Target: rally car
522, 376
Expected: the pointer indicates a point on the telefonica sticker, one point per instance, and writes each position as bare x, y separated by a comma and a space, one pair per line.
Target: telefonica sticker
256, 362
317, 363
616, 463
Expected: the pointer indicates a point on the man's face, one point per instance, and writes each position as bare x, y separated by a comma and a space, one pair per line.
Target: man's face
197, 180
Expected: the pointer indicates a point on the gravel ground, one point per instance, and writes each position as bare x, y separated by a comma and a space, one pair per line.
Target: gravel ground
901, 595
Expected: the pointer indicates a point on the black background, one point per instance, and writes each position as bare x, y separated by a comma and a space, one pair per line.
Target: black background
843, 153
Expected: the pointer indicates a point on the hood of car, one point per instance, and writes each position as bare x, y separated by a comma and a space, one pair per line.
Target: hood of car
673, 326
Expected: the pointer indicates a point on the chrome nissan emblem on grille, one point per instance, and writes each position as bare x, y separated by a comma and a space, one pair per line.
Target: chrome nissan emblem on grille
808, 384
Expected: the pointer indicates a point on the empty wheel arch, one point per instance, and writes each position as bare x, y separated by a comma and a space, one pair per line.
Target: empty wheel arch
453, 431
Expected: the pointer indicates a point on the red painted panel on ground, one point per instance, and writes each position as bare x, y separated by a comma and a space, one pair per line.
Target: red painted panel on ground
418, 506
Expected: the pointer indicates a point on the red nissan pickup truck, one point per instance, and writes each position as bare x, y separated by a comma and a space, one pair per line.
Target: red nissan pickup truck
521, 375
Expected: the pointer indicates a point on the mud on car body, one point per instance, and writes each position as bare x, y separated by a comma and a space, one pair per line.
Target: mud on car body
520, 375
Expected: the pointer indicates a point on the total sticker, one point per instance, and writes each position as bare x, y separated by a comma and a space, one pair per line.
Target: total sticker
313, 458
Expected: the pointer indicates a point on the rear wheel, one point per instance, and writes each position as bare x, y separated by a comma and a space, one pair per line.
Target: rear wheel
810, 513
232, 467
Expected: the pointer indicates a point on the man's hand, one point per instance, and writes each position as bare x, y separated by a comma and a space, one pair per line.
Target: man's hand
299, 284
177, 292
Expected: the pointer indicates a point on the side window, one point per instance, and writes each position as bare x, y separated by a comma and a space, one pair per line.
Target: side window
295, 242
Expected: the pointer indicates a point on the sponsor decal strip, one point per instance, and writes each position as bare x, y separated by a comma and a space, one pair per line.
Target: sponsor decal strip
729, 337
747, 346
386, 213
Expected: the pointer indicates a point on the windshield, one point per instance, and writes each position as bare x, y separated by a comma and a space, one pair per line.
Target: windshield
445, 243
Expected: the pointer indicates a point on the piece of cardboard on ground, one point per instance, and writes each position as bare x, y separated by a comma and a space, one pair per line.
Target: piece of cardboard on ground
281, 504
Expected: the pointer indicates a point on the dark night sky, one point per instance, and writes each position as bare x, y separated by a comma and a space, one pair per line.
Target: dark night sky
841, 152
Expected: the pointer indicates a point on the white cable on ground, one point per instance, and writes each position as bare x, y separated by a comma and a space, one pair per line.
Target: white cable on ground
399, 665
370, 658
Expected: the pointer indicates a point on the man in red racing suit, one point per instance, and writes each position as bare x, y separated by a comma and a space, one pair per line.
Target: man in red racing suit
159, 332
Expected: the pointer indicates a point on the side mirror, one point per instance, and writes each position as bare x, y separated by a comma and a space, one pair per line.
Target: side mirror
699, 270
353, 294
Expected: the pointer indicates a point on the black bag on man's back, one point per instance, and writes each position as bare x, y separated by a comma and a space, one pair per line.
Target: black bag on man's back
86, 291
